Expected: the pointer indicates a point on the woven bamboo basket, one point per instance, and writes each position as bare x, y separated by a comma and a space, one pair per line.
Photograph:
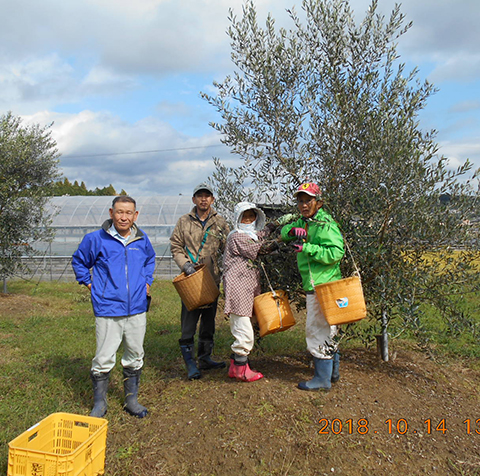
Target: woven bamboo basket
273, 312
342, 301
197, 289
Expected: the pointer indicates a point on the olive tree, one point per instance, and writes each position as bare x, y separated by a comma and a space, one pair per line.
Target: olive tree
28, 168
329, 101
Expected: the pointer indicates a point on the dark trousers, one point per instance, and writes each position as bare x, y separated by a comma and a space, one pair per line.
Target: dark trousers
189, 321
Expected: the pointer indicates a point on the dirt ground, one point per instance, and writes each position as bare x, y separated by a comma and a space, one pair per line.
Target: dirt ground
410, 416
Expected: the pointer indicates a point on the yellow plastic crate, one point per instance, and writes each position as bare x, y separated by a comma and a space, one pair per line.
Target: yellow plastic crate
63, 444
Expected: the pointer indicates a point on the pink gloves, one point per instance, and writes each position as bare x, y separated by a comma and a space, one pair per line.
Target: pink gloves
301, 234
298, 232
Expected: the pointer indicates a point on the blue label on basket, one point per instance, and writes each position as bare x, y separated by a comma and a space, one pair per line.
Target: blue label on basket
342, 302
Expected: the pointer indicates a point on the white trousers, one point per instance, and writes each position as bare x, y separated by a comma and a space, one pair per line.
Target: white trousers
111, 332
242, 331
319, 334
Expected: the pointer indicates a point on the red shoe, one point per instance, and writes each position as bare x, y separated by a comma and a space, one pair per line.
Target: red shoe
243, 372
231, 369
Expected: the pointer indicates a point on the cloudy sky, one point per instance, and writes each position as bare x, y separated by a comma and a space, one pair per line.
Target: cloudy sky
120, 80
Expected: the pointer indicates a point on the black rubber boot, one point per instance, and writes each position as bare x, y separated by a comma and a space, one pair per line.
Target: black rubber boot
187, 353
131, 381
322, 379
100, 387
205, 361
336, 367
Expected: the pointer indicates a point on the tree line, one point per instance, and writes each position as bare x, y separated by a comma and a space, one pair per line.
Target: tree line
65, 187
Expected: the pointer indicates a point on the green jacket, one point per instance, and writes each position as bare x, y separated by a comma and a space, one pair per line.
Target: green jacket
322, 251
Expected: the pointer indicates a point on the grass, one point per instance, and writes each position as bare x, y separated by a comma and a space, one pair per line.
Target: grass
452, 338
47, 341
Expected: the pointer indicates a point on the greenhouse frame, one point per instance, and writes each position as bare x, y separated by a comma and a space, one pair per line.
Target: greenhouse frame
75, 216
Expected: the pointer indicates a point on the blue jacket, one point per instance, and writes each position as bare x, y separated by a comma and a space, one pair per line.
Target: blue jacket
120, 273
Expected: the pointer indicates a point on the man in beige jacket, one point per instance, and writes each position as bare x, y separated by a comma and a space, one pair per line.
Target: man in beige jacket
199, 238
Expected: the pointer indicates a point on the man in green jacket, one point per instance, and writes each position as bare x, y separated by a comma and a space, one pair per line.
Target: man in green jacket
319, 247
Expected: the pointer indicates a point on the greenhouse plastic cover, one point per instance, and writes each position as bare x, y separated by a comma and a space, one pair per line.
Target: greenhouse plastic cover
76, 216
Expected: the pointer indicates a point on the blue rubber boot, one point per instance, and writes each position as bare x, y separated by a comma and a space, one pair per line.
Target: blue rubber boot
336, 367
322, 378
192, 369
100, 387
131, 381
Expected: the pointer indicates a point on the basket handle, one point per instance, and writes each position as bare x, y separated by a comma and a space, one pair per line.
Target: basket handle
268, 280
357, 271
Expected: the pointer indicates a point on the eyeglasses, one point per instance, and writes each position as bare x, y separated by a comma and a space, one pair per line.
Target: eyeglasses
305, 202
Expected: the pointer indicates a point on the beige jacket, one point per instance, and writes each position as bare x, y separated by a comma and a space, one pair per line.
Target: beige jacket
188, 235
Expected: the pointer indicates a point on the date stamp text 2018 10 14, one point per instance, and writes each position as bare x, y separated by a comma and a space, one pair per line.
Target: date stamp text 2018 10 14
402, 426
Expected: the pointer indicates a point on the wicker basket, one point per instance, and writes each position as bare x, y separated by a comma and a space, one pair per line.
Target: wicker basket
273, 312
342, 301
197, 289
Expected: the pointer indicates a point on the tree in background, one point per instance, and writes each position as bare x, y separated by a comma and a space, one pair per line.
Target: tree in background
65, 187
107, 191
28, 168
328, 101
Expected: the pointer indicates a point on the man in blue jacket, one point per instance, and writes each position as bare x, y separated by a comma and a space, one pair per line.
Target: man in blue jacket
123, 261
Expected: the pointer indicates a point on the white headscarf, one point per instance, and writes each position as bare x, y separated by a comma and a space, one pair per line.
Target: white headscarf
250, 229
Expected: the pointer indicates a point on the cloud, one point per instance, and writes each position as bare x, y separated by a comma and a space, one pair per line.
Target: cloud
81, 49
440, 27
154, 37
143, 37
129, 73
146, 157
170, 108
465, 106
103, 48
161, 36
461, 150
32, 82
100, 80
46, 81
461, 67
444, 34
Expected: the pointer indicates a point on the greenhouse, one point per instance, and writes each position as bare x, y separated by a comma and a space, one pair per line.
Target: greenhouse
76, 216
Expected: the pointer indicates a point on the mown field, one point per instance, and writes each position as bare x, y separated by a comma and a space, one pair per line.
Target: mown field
417, 414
